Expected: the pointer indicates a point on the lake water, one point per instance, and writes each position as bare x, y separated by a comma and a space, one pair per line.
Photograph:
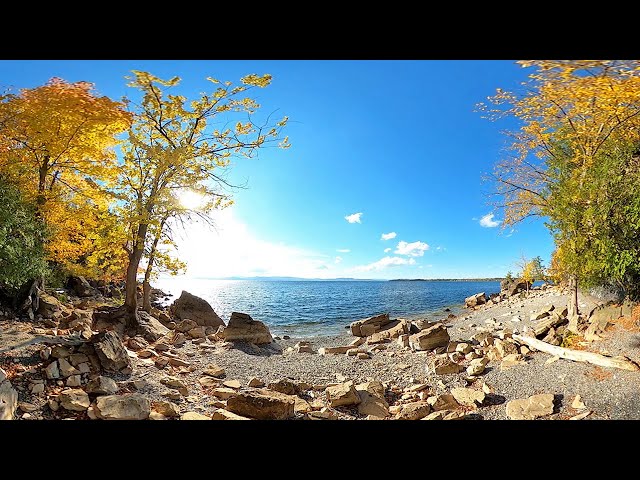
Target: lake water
312, 308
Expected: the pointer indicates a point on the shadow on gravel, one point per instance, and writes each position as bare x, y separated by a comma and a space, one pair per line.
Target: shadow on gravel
473, 416
558, 400
251, 349
634, 342
492, 399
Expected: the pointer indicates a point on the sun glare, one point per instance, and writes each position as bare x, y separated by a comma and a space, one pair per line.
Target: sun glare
190, 199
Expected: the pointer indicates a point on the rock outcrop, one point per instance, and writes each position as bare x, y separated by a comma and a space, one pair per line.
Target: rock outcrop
130, 406
188, 306
243, 328
513, 286
530, 408
80, 286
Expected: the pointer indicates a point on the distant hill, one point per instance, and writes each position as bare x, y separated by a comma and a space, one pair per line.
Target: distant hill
272, 279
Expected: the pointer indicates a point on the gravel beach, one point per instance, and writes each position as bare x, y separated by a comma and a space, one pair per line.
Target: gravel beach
608, 393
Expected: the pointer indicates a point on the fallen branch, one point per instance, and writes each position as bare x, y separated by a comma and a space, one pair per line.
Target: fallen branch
74, 340
577, 355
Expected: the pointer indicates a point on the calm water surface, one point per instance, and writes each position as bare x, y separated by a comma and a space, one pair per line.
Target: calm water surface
309, 308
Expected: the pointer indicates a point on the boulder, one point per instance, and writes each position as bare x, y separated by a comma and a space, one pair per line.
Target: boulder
444, 366
262, 404
468, 396
256, 382
102, 386
443, 402
530, 408
8, 398
475, 300
372, 401
214, 371
80, 286
512, 287
111, 351
303, 347
391, 330
477, 366
185, 325
430, 338
52, 371
167, 409
243, 328
342, 394
150, 327
66, 369
369, 326
48, 305
284, 385
74, 399
130, 406
195, 308
413, 411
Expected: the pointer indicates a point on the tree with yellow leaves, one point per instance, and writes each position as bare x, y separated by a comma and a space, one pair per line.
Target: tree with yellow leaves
57, 143
575, 114
176, 145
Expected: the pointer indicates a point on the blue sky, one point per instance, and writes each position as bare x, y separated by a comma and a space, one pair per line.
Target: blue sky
397, 141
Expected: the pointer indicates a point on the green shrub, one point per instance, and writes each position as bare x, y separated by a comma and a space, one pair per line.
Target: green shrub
22, 236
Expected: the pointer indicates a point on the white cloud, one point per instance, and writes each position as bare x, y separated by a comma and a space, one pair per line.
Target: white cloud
343, 250
488, 222
388, 236
384, 263
353, 218
414, 249
337, 260
387, 250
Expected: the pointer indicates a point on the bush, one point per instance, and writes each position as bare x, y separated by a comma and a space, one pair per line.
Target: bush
22, 236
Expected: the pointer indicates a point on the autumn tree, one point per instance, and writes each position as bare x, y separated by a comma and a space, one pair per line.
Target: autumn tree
571, 112
176, 144
56, 144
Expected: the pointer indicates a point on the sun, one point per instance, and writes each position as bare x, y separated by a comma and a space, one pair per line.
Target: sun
190, 199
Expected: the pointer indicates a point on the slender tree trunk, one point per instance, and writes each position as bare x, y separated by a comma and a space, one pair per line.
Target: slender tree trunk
573, 296
131, 294
42, 180
146, 286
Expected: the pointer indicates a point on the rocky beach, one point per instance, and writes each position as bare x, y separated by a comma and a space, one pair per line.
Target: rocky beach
74, 361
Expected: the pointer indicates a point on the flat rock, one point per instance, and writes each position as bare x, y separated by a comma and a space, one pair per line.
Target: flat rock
185, 325
243, 328
209, 382
74, 399
235, 384
222, 414
468, 396
130, 406
512, 360
196, 309
256, 383
66, 369
334, 350
52, 371
214, 371
262, 404
342, 394
530, 408
223, 393
193, 416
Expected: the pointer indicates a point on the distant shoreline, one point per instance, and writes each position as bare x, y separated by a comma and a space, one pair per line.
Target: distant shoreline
497, 279
299, 279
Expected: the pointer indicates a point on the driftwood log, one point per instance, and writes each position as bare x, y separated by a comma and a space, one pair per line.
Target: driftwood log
74, 339
577, 355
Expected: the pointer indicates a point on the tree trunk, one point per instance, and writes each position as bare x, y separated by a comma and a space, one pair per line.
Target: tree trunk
146, 295
573, 297
131, 293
